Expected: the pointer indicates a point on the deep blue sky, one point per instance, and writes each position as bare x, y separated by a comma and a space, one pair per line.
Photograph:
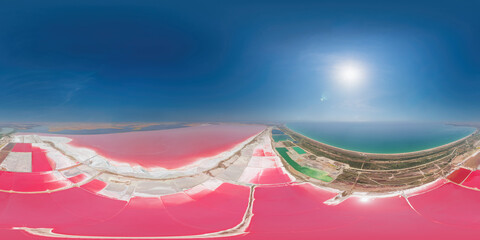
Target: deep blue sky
238, 60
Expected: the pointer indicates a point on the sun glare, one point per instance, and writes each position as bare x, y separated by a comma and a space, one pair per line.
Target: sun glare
350, 74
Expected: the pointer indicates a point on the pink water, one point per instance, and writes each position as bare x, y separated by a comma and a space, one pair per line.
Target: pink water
172, 148
281, 209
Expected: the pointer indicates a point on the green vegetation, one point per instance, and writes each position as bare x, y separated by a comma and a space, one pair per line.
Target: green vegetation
299, 150
311, 172
278, 138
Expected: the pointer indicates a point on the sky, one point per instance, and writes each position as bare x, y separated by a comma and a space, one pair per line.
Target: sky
120, 61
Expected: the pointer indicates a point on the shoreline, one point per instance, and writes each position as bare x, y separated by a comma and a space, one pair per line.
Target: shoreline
477, 130
109, 164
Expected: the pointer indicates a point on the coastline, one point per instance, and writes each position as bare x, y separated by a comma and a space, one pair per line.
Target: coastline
477, 130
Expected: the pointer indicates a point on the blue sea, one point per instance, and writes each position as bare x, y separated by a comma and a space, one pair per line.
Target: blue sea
381, 137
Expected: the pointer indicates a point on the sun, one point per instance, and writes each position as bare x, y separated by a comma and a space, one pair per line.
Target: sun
350, 73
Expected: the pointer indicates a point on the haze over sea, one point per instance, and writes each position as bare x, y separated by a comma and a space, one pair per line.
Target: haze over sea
382, 137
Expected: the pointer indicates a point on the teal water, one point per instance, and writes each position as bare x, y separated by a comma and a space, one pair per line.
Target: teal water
382, 137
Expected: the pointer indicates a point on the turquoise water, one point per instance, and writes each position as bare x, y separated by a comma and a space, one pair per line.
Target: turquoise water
382, 137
